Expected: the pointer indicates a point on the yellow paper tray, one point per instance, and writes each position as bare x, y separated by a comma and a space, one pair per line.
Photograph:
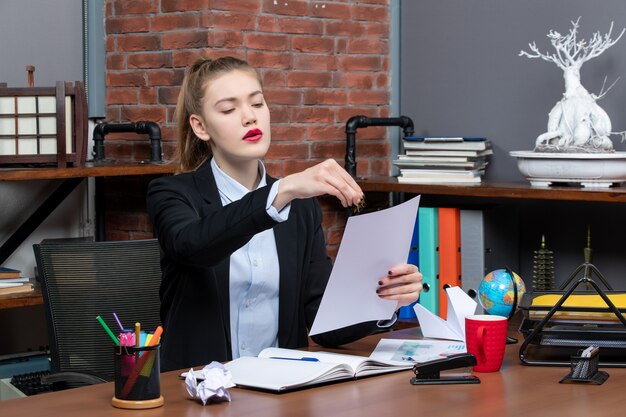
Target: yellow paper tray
577, 307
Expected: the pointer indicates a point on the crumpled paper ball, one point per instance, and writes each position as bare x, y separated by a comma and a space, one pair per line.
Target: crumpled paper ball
210, 384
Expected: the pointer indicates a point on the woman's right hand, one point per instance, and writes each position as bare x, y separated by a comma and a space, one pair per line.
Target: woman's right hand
327, 177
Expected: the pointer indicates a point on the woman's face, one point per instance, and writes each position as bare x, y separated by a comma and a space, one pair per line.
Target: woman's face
235, 119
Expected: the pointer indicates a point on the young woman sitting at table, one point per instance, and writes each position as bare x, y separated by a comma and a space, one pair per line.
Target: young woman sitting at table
243, 254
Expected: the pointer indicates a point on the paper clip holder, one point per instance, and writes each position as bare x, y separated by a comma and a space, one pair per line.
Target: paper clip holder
428, 373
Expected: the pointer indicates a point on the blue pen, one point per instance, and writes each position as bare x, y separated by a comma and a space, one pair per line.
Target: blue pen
305, 358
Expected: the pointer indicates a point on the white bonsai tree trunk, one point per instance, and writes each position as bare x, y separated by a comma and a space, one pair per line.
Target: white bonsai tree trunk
576, 123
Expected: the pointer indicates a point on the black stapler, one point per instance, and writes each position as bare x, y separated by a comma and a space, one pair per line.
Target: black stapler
429, 372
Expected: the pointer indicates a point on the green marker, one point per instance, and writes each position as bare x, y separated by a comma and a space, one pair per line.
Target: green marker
106, 328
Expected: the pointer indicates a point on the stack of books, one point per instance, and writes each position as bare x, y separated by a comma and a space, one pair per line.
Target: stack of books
11, 282
443, 159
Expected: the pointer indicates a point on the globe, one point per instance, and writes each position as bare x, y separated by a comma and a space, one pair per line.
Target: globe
496, 292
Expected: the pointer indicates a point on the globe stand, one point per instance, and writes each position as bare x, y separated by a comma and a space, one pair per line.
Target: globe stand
511, 340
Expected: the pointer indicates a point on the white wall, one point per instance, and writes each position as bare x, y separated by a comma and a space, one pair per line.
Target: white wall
49, 35
45, 33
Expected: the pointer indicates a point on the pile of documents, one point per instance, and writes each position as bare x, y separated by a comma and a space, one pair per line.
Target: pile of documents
11, 282
443, 159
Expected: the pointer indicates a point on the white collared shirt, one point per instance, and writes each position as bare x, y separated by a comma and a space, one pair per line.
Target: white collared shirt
254, 275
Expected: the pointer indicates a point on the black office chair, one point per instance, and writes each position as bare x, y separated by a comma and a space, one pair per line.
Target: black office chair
83, 280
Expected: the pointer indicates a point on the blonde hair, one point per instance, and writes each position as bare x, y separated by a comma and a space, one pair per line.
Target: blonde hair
191, 150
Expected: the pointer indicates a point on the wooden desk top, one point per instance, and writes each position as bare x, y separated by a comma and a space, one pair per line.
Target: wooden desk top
509, 190
105, 169
516, 390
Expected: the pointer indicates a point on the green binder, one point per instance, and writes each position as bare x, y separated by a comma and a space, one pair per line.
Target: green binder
429, 258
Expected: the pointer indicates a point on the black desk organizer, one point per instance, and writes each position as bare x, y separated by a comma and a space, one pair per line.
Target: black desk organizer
585, 370
567, 338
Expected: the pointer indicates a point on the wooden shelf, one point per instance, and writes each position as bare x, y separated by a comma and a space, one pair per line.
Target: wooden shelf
106, 169
22, 299
508, 190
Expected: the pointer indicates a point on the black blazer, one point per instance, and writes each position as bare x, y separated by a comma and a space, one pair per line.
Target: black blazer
197, 236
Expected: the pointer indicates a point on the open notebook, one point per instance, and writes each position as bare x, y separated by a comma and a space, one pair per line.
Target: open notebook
277, 369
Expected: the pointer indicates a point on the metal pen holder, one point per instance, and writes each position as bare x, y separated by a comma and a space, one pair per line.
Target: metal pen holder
585, 370
137, 377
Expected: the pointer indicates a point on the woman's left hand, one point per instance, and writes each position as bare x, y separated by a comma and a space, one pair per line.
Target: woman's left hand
403, 283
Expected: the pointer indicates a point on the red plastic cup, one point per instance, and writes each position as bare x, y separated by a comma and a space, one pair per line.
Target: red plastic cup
485, 338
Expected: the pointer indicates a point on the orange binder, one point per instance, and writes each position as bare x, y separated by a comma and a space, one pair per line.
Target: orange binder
449, 254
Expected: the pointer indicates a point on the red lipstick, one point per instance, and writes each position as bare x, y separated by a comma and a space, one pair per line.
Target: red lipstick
253, 135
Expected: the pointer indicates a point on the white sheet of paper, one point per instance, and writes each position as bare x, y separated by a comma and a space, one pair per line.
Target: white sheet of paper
460, 305
371, 244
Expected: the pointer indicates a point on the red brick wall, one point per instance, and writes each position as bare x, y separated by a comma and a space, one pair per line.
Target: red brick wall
321, 63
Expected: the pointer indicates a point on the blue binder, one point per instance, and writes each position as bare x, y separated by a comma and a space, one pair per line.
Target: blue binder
407, 312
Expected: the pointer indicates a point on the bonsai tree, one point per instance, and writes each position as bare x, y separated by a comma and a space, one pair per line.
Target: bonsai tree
576, 123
